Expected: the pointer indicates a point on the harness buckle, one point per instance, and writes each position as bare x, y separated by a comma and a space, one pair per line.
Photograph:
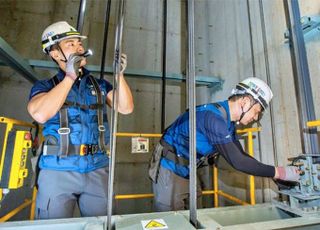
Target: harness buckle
83, 150
89, 149
101, 128
64, 131
86, 149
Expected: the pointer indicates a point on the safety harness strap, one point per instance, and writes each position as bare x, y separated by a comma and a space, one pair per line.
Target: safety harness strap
64, 129
101, 126
68, 104
73, 149
222, 110
168, 152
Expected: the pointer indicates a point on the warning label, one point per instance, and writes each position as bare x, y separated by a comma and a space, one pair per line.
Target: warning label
154, 224
139, 145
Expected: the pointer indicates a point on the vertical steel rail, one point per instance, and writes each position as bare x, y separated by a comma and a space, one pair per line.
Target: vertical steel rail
82, 10
105, 38
114, 114
267, 66
192, 114
302, 78
164, 65
254, 75
251, 42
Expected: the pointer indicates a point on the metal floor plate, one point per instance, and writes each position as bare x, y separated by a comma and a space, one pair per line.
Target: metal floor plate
173, 220
88, 223
237, 215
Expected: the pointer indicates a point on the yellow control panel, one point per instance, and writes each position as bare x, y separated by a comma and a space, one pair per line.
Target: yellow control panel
15, 160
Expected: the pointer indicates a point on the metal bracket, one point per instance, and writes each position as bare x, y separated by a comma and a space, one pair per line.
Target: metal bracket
14, 60
310, 26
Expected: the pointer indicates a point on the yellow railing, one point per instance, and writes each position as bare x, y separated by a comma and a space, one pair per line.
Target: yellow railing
249, 132
138, 135
216, 192
313, 123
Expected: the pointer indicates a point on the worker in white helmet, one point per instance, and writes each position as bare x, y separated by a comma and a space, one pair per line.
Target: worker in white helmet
72, 106
215, 136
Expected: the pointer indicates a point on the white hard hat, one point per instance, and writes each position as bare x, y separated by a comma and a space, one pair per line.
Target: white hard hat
257, 88
57, 32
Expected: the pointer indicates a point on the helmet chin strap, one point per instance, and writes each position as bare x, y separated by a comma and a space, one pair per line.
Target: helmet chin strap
243, 113
65, 59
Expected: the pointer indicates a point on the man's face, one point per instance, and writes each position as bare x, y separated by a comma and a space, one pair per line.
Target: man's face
252, 114
68, 46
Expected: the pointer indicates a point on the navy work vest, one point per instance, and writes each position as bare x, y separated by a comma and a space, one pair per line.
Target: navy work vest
82, 123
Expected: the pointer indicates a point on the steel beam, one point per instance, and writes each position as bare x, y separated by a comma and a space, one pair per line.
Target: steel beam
11, 58
200, 80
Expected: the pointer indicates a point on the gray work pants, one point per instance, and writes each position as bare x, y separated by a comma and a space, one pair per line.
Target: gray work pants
60, 190
171, 192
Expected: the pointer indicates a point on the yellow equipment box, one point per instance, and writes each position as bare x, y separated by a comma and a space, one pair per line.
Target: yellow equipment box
14, 165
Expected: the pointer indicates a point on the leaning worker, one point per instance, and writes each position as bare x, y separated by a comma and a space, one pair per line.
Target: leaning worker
215, 135
72, 106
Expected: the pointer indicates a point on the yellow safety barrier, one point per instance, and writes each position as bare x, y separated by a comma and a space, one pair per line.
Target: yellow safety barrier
33, 205
313, 123
138, 135
215, 186
249, 131
216, 192
16, 210
134, 196
206, 192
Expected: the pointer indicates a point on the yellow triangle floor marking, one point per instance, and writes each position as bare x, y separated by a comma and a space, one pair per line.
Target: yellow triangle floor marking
154, 224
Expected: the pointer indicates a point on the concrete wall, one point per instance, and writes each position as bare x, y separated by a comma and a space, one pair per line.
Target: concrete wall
223, 49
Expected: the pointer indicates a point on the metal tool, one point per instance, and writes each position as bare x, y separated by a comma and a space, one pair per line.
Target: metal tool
87, 53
